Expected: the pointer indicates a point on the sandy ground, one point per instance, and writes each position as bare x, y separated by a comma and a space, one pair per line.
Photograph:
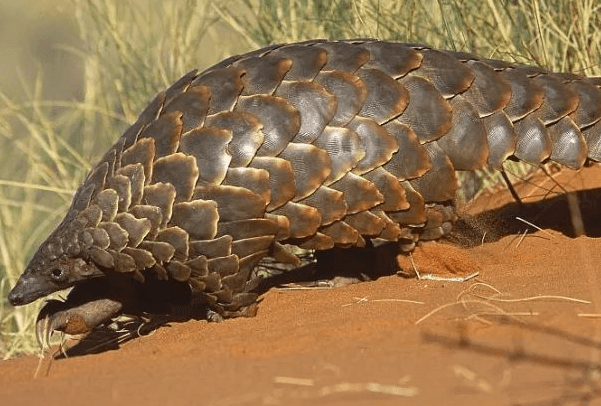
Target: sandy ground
390, 341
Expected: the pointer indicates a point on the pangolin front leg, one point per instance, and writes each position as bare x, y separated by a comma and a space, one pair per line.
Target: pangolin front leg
62, 316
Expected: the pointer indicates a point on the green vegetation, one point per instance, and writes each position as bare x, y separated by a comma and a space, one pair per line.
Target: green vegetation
131, 49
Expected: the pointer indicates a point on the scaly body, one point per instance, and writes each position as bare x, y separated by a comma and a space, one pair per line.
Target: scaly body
318, 144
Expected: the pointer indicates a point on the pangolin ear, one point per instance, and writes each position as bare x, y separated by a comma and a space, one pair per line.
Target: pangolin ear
87, 269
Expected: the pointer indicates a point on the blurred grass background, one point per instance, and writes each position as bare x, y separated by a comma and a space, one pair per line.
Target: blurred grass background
75, 73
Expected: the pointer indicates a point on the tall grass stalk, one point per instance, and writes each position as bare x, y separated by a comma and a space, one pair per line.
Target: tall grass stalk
134, 48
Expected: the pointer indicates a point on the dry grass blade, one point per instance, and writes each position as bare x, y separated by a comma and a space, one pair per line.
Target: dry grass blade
469, 297
373, 387
287, 380
535, 226
366, 300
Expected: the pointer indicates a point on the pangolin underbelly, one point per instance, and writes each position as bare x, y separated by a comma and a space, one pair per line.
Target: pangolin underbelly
319, 145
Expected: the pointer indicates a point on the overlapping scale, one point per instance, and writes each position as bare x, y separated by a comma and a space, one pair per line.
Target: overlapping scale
329, 202
416, 214
311, 166
134, 173
526, 96
162, 197
315, 105
246, 132
304, 220
280, 121
224, 85
152, 213
501, 138
592, 135
343, 56
142, 152
177, 238
193, 104
121, 185
466, 142
378, 144
263, 74
449, 76
165, 132
283, 225
178, 271
439, 184
237, 281
349, 92
390, 188
211, 248
136, 229
178, 170
533, 143
307, 61
391, 230
281, 180
341, 233
117, 235
428, 114
227, 265
359, 193
122, 262
240, 229
198, 218
232, 202
489, 92
386, 98
568, 144
392, 59
411, 160
366, 223
108, 201
142, 258
209, 147
319, 241
253, 179
559, 100
588, 111
344, 148
248, 246
92, 215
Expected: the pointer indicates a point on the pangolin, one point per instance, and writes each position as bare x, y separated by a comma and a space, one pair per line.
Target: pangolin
318, 144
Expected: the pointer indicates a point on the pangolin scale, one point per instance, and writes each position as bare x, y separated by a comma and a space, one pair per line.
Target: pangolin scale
317, 144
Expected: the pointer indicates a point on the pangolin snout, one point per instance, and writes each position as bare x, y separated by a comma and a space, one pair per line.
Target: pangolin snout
26, 290
16, 297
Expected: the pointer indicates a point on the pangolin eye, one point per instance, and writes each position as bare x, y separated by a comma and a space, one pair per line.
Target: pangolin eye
58, 274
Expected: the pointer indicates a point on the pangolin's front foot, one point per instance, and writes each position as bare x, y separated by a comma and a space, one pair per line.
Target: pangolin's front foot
62, 316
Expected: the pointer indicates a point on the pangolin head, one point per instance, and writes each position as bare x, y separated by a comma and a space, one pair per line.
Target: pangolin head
63, 259
59, 263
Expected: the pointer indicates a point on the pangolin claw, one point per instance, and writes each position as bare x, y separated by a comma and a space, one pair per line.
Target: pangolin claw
42, 331
63, 316
54, 316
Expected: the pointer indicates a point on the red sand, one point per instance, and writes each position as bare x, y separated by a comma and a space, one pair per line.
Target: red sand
360, 344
